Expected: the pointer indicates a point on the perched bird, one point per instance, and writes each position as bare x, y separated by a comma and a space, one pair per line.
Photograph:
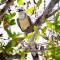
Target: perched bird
24, 22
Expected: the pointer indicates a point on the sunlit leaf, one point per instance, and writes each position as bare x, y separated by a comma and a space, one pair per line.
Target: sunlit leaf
58, 21
56, 16
12, 35
38, 3
35, 27
53, 27
20, 2
15, 35
2, 1
30, 9
22, 58
49, 24
29, 35
11, 44
37, 36
50, 39
22, 55
44, 29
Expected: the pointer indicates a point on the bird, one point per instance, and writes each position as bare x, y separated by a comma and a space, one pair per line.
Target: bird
24, 22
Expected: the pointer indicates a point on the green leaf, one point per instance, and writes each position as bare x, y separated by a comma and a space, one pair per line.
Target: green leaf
58, 28
12, 14
8, 32
29, 35
37, 36
53, 27
22, 55
12, 22
11, 44
38, 3
29, 9
1, 50
58, 21
49, 24
9, 16
44, 29
56, 16
8, 46
20, 2
35, 27
22, 58
12, 35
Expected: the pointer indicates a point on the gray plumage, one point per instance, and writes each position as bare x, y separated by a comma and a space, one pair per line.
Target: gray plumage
24, 21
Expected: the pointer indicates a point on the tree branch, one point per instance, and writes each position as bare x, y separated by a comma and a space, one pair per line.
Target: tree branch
39, 21
46, 13
7, 5
33, 45
53, 12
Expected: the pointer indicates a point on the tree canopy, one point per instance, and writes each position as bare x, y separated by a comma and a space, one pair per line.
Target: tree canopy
45, 24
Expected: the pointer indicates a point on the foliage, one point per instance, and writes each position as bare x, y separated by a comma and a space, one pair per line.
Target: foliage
20, 2
52, 49
55, 25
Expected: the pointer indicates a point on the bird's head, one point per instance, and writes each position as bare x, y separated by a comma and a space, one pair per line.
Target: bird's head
22, 14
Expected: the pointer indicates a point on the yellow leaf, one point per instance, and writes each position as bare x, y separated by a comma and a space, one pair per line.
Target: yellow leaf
20, 2
30, 10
